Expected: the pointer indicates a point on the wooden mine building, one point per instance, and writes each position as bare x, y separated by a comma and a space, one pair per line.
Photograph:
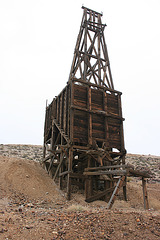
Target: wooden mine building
83, 133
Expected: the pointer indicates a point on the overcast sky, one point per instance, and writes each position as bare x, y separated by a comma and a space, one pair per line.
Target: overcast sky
37, 40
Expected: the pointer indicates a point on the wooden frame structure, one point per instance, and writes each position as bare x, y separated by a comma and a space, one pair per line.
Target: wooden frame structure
83, 133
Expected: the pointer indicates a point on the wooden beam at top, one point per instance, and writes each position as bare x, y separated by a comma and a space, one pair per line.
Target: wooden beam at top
92, 11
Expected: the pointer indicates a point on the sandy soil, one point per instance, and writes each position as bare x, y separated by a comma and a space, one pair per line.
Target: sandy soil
32, 207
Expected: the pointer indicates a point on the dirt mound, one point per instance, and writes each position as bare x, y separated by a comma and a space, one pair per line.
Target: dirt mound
26, 180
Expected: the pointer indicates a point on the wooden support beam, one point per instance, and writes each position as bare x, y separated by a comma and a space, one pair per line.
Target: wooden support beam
71, 112
89, 118
50, 166
145, 195
88, 187
105, 167
99, 195
60, 131
115, 192
60, 112
77, 175
85, 46
63, 173
65, 110
57, 170
96, 85
70, 159
114, 172
97, 112
125, 189
137, 173
60, 178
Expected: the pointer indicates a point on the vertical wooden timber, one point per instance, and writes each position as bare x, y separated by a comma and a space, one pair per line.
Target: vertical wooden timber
71, 129
88, 182
57, 116
145, 195
122, 147
76, 49
70, 159
71, 112
60, 177
106, 57
121, 128
85, 46
69, 109
99, 53
65, 110
90, 117
106, 122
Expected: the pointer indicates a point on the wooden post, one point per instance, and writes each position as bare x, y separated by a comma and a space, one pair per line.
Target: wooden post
85, 47
122, 147
99, 53
125, 189
71, 113
145, 195
105, 108
65, 110
88, 182
90, 117
70, 159
88, 187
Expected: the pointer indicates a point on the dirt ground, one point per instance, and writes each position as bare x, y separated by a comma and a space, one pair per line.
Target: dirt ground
32, 207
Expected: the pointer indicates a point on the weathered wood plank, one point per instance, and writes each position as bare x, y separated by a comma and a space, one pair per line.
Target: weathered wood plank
105, 167
61, 160
114, 172
99, 195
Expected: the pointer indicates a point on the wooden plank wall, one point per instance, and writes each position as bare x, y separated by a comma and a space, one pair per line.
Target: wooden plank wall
103, 112
96, 115
59, 111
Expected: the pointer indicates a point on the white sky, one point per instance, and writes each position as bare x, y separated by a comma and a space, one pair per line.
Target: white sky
37, 40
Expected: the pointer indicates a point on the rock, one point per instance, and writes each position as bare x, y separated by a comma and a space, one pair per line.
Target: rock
125, 234
30, 205
2, 230
28, 227
20, 208
137, 220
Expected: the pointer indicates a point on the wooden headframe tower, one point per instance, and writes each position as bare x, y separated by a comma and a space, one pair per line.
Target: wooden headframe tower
91, 62
83, 133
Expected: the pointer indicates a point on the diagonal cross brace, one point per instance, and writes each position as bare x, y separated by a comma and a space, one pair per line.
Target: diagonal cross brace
115, 192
